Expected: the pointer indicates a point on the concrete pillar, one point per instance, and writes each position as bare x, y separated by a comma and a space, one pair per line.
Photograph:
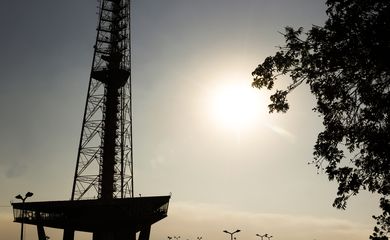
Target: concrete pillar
68, 234
145, 233
41, 232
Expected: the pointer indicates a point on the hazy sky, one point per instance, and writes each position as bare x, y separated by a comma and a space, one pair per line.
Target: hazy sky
249, 174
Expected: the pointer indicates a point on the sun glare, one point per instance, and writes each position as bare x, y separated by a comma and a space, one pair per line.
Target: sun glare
236, 106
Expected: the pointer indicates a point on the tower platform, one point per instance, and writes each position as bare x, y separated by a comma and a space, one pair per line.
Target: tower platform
123, 216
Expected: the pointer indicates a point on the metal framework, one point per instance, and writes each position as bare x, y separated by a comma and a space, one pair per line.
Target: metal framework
102, 200
104, 166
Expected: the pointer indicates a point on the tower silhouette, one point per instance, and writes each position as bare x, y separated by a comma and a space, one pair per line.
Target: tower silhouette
102, 199
104, 166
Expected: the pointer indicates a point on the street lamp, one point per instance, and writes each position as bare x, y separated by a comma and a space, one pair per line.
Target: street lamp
262, 236
231, 233
27, 195
268, 236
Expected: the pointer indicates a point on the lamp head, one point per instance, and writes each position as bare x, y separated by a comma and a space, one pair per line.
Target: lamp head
29, 194
225, 231
19, 197
238, 230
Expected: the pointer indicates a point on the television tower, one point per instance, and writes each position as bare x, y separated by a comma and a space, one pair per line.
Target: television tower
104, 166
102, 200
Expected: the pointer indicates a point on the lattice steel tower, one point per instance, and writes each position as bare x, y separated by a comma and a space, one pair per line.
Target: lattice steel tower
102, 200
105, 161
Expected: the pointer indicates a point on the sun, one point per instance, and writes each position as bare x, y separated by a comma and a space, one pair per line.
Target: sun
236, 105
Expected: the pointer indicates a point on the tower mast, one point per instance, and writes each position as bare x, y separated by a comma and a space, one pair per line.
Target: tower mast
104, 167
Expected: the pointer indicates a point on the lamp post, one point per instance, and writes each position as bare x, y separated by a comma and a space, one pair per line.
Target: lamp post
231, 233
27, 195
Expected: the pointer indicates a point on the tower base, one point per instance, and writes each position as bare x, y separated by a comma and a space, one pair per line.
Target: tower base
115, 219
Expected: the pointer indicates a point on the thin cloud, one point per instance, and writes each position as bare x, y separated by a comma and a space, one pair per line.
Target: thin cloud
283, 133
190, 220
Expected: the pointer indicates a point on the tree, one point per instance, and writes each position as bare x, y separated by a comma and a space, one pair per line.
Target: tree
347, 67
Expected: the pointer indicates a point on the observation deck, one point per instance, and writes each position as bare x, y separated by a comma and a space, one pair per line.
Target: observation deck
129, 215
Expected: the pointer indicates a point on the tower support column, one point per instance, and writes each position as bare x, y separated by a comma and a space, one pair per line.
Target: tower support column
41, 232
68, 234
144, 233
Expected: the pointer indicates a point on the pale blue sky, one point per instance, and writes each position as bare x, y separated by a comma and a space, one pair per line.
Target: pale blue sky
184, 51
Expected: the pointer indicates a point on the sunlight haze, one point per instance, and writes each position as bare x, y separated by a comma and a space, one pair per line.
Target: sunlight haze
201, 132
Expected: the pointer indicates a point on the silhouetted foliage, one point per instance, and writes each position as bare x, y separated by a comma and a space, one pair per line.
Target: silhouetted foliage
347, 67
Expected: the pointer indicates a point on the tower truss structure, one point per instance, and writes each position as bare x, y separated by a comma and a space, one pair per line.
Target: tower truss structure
102, 199
104, 166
